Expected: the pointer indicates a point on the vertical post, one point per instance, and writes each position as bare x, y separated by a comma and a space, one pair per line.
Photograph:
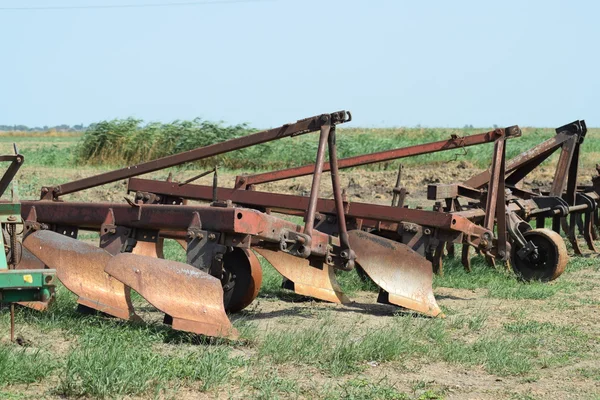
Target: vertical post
309, 217
495, 202
346, 252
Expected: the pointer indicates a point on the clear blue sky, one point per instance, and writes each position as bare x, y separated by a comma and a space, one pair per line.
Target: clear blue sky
392, 63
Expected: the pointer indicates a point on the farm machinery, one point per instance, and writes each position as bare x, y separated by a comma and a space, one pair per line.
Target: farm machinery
397, 247
18, 283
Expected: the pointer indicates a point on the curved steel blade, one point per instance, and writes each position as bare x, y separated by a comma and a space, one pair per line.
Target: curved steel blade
29, 261
397, 269
149, 249
318, 282
193, 298
80, 267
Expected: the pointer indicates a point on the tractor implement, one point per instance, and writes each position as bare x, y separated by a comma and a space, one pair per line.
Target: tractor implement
219, 239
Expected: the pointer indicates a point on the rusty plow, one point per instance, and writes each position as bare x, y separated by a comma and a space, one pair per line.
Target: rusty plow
191, 299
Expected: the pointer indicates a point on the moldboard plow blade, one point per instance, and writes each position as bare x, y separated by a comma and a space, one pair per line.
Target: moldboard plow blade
149, 249
191, 297
402, 273
80, 267
318, 282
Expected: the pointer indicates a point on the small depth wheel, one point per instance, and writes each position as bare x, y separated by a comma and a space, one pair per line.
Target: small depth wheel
548, 263
242, 279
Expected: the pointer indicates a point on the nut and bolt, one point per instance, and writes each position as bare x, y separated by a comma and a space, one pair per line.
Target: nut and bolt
212, 236
12, 218
427, 231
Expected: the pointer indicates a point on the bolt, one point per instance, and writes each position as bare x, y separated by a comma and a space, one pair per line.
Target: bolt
211, 236
12, 218
112, 231
199, 236
328, 260
45, 190
190, 234
344, 254
427, 231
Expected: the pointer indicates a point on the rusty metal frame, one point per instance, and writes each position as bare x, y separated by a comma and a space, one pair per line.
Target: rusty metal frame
294, 129
454, 142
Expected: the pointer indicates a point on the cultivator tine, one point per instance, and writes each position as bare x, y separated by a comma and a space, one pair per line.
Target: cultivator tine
314, 281
80, 267
149, 249
465, 257
402, 273
29, 261
588, 231
191, 297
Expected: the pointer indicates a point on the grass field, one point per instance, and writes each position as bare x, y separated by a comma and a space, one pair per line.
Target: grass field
502, 339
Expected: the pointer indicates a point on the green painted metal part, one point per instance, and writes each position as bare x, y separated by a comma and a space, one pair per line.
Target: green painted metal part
21, 284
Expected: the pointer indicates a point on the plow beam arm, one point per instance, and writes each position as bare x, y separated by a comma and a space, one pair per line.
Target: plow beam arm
287, 202
525, 162
388, 155
294, 129
229, 220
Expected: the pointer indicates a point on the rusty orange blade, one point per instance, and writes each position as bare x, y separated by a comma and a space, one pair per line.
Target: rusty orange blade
80, 267
149, 249
29, 261
193, 298
318, 282
396, 268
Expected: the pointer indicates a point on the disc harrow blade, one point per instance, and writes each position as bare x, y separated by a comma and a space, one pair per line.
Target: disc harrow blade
398, 270
80, 267
193, 298
314, 281
29, 261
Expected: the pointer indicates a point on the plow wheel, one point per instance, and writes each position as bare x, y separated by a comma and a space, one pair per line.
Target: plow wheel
80, 267
307, 280
241, 280
404, 275
550, 260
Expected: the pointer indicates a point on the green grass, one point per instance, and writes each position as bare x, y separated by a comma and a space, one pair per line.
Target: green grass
23, 365
499, 282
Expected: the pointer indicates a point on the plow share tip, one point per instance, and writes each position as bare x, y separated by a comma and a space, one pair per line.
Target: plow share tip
80, 268
318, 282
193, 298
400, 271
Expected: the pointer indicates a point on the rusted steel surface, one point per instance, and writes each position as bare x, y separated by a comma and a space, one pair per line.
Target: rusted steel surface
309, 218
404, 274
281, 202
298, 128
192, 298
308, 277
80, 267
16, 161
149, 249
452, 143
234, 220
